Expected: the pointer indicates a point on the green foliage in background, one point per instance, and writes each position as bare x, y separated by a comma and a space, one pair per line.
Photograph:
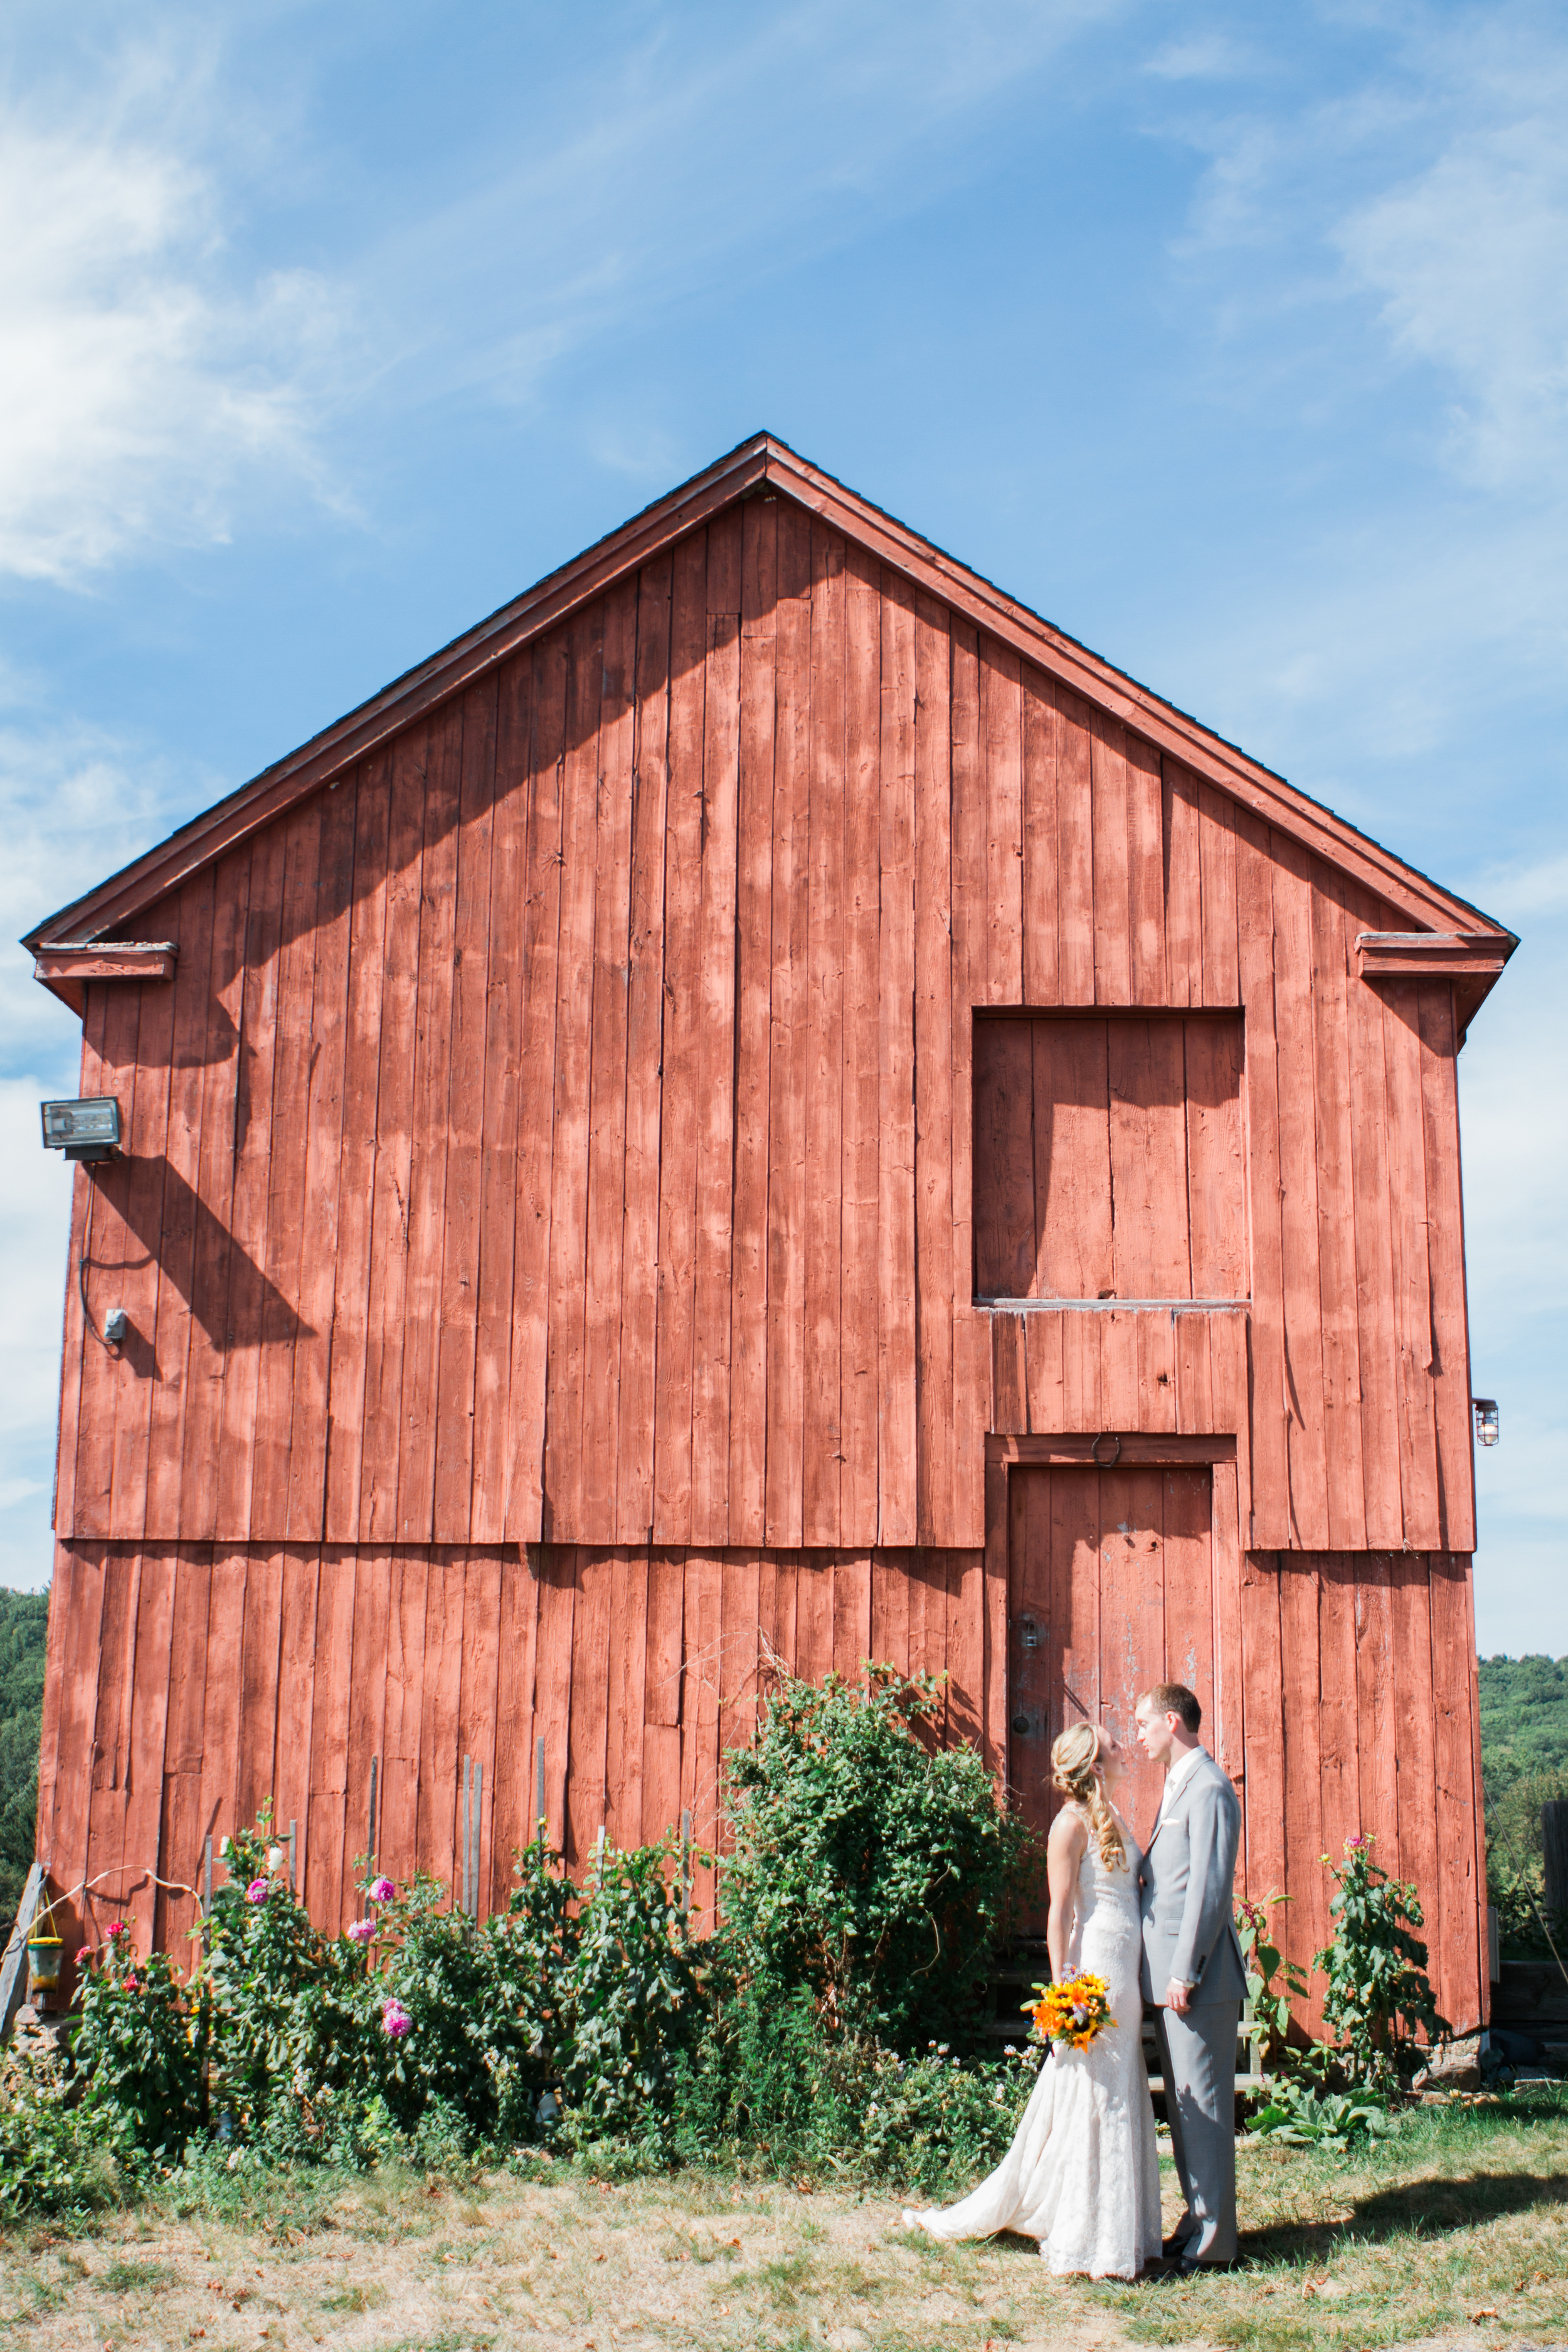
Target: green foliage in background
1524, 1765
1379, 2005
24, 1631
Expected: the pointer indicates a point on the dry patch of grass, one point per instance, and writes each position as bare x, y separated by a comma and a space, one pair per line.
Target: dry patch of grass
1465, 2213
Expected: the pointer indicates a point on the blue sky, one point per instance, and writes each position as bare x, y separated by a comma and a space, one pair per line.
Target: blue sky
1233, 340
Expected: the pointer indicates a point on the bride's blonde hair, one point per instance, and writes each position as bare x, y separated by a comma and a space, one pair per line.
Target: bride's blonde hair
1073, 1760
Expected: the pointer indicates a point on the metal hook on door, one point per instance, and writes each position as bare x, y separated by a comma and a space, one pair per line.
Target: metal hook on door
1106, 1436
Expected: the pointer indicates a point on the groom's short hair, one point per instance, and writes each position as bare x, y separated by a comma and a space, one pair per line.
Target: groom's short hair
1176, 1698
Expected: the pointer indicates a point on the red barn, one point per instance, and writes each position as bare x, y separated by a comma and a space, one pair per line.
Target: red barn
763, 1096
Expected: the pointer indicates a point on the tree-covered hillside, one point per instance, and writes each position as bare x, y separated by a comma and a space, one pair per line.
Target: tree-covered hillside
1524, 1721
24, 1624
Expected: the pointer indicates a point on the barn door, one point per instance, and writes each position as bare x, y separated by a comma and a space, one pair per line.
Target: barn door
1111, 1588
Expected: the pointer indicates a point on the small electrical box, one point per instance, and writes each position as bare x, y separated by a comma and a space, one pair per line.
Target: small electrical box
87, 1130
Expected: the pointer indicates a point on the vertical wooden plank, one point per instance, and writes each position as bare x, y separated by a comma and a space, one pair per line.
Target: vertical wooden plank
573, 1051
1346, 1492
389, 1232
1041, 886
895, 1520
1075, 1539
1134, 1579
179, 1838
814, 1617
512, 1823
165, 1212
398, 1796
1217, 1158
477, 1702
301, 1579
682, 1025
823, 1189
1183, 885
370, 1642
664, 1694
1373, 1198
967, 1697
1446, 1264
252, 1154
589, 1707
145, 1732
1377, 1758
1112, 861
74, 1340
1006, 1240
790, 1035
740, 1576
1045, 1406
715, 1105
436, 1850
891, 1611
358, 1158
1146, 873
1008, 1373
1272, 1522
699, 1719
329, 1850
753, 956
1416, 1706
1413, 1325
284, 1262
110, 1733
598, 1511
432, 1129
1072, 1158
1150, 1243
323, 1121
852, 1615
1076, 822
506, 981
1226, 1730
644, 1057
1338, 1700
1262, 1700
994, 1743
1458, 1894
933, 1076
1002, 718
259, 1686
862, 1018
49, 1760
1302, 1695
535, 1100
121, 1269
208, 1351
1299, 1214
1217, 871
628, 1669
456, 1339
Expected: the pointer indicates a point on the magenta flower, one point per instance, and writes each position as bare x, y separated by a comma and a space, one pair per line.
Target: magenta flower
359, 1931
396, 2020
258, 1891
382, 1890
113, 1934
1351, 1843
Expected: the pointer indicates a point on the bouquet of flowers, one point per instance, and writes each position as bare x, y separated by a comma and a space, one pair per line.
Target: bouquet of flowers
1073, 2012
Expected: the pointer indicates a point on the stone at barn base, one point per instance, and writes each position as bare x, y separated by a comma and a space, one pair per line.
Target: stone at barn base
1455, 2066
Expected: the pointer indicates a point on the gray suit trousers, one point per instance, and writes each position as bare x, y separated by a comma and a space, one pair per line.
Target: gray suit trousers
1197, 2058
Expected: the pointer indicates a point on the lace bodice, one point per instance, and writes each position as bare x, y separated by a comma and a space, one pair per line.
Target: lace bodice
1108, 1929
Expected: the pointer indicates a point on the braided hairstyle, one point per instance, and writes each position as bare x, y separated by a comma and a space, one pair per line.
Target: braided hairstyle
1073, 1760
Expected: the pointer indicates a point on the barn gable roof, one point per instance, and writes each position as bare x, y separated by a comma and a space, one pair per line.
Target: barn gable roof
109, 912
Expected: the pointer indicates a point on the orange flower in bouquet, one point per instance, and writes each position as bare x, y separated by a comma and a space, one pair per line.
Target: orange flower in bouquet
1073, 2012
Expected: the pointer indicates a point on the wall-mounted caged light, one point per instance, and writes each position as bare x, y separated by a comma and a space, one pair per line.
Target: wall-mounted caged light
1485, 1410
87, 1130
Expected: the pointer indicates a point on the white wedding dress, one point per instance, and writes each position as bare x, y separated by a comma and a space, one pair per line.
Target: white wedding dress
1083, 2172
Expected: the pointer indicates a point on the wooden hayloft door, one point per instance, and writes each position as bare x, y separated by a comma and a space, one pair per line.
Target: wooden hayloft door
1111, 1588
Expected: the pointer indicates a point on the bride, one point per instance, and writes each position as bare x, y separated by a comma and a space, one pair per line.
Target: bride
1082, 2174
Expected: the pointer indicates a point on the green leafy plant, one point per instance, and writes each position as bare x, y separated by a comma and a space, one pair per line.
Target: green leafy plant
1273, 1982
1307, 2113
55, 2156
870, 1866
139, 2047
1379, 2000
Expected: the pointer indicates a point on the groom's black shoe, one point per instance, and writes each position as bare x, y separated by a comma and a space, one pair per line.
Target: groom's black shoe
1190, 2266
1174, 2248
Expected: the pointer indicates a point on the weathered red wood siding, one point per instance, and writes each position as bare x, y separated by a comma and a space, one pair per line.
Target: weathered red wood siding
561, 1131
683, 918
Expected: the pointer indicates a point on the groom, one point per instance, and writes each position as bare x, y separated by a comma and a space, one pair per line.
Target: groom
1192, 1968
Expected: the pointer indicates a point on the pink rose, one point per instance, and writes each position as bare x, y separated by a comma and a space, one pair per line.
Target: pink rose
359, 1931
396, 2020
111, 1934
382, 1890
258, 1890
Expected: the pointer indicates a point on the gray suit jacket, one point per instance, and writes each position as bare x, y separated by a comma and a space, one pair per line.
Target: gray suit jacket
1186, 1889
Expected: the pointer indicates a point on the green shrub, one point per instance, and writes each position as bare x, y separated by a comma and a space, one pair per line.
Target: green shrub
55, 2156
869, 1867
1273, 1982
1379, 2000
139, 2050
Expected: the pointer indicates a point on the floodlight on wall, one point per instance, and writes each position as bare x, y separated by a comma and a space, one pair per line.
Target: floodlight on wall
1485, 1413
87, 1130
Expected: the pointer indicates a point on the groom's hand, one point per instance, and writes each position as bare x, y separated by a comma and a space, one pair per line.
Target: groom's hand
1177, 1996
